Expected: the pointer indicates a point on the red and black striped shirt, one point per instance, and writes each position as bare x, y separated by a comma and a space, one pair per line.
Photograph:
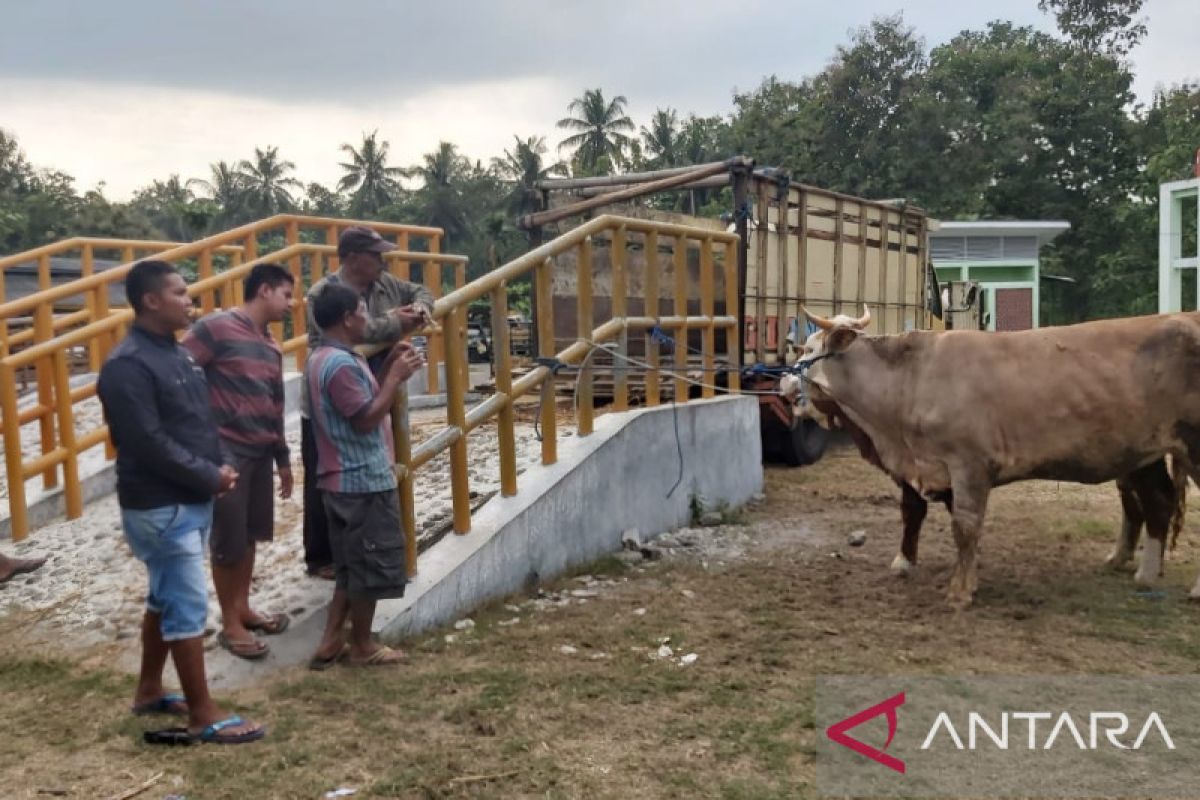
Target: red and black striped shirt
244, 368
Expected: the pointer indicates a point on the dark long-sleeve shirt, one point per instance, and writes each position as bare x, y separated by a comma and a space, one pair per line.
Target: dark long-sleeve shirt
156, 403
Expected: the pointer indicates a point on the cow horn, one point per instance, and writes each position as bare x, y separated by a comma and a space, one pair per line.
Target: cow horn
865, 319
820, 322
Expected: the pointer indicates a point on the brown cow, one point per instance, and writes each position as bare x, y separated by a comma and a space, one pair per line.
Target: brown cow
951, 415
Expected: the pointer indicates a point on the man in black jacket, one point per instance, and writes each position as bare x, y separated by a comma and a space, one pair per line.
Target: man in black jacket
169, 469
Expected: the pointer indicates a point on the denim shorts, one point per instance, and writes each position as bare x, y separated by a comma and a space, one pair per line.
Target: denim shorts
170, 541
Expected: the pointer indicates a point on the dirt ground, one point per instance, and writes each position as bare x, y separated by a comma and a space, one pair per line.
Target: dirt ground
571, 694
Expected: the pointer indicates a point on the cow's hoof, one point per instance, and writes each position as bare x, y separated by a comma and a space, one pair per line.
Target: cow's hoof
1118, 559
1144, 578
958, 598
901, 567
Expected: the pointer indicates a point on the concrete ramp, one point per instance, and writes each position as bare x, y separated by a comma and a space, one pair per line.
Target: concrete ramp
564, 516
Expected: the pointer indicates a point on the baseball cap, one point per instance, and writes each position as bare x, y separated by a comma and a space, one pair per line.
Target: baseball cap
360, 239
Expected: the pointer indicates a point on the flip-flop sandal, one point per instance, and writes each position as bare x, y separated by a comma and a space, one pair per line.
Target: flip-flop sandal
383, 657
251, 651
270, 625
318, 664
168, 736
172, 703
212, 734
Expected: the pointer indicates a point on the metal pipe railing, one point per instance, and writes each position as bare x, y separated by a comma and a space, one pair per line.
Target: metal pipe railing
716, 249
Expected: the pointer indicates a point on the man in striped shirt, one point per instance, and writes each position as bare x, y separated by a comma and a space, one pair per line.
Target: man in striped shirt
243, 365
354, 473
395, 307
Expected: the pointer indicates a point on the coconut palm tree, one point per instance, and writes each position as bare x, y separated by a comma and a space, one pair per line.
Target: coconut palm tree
600, 129
522, 168
440, 200
371, 182
662, 139
267, 182
226, 187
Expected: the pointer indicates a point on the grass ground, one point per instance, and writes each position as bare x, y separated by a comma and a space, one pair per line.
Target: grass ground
504, 711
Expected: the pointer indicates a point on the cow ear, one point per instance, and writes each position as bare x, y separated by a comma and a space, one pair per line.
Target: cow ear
839, 339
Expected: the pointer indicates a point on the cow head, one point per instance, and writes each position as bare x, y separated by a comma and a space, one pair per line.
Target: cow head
832, 336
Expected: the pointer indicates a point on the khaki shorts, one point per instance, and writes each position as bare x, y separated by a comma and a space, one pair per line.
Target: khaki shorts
367, 539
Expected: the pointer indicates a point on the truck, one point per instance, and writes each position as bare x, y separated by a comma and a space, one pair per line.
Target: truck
802, 247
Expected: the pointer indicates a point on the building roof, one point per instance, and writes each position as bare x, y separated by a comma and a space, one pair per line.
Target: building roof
1046, 231
21, 280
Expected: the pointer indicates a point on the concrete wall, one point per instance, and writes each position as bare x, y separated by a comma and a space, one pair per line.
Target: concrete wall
573, 512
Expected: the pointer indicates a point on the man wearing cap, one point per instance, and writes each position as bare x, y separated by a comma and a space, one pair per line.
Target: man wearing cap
394, 308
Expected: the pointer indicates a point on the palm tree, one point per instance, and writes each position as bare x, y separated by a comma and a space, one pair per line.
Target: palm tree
267, 182
522, 168
599, 131
440, 199
372, 183
226, 187
662, 139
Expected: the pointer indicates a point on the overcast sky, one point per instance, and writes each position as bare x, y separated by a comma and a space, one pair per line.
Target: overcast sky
127, 91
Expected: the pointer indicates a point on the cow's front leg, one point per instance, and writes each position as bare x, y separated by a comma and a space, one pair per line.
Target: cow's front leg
1156, 494
970, 504
1132, 520
913, 508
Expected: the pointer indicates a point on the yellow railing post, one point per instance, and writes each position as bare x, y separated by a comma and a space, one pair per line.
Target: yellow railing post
291, 237
506, 418
299, 314
402, 439
331, 239
707, 309
3, 320
651, 310
679, 268
402, 268
87, 268
460, 279
66, 434
545, 328
205, 270
431, 276
454, 326
44, 280
583, 293
9, 418
43, 331
732, 334
620, 290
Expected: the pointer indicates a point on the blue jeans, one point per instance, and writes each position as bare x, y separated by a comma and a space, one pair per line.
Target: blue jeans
171, 541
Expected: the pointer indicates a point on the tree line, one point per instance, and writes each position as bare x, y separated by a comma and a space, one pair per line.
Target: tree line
1006, 122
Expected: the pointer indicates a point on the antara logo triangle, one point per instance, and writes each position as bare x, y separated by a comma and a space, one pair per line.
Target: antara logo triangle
837, 732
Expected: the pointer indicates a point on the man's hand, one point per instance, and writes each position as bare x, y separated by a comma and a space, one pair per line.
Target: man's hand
403, 362
286, 482
226, 479
411, 316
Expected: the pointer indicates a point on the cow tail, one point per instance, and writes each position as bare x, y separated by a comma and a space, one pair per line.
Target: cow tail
1179, 477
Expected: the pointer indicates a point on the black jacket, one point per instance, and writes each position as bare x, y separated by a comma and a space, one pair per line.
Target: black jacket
156, 403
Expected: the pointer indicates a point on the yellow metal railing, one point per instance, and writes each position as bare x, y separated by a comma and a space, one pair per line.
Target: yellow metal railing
86, 248
451, 312
97, 327
715, 251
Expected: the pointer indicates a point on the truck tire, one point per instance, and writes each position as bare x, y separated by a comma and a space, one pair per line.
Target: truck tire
806, 444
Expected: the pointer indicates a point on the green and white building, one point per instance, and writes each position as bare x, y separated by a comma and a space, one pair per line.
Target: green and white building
1003, 257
